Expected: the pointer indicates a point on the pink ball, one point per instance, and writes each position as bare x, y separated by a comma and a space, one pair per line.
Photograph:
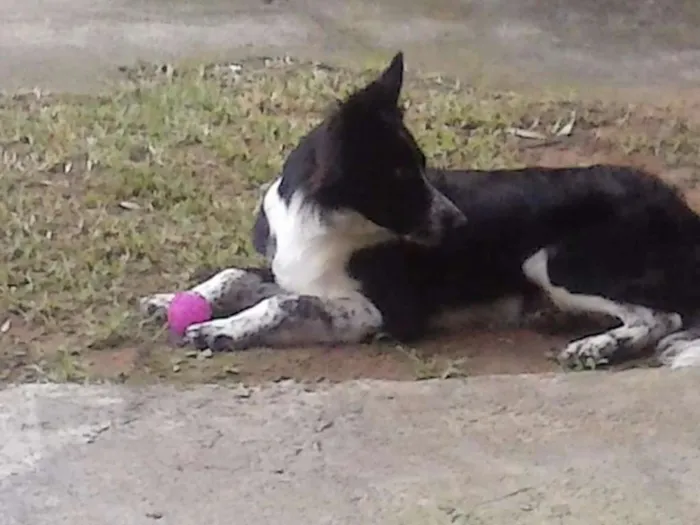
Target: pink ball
186, 309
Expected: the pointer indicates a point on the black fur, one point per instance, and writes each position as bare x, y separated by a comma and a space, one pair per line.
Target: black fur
615, 231
263, 240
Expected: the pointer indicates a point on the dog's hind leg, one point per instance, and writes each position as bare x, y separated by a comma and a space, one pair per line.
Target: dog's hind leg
290, 320
640, 327
228, 291
681, 349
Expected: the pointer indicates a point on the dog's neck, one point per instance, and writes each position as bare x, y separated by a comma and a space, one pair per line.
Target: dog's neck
312, 248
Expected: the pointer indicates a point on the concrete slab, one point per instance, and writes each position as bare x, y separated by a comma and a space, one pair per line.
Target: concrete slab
74, 44
589, 448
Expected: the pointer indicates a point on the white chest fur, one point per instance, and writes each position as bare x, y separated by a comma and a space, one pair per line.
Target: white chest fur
312, 253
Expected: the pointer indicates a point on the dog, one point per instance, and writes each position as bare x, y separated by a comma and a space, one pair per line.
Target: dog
363, 238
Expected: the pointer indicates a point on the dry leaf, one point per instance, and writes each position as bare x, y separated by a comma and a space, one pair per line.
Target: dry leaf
128, 205
553, 130
526, 133
567, 128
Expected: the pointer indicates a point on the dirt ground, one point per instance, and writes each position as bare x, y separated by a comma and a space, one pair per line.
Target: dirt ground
121, 224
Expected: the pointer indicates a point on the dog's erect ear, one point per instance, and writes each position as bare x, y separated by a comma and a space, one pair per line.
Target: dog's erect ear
392, 77
386, 89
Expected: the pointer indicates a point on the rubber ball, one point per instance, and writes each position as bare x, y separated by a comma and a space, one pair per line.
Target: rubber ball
186, 309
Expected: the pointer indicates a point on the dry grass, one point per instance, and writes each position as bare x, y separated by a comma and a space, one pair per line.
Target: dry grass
143, 189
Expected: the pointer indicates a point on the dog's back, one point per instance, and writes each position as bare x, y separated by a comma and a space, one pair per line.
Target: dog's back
536, 205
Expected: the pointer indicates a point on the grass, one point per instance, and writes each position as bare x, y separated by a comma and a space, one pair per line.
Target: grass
151, 186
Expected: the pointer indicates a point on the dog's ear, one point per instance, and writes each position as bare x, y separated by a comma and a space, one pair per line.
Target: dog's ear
391, 78
386, 89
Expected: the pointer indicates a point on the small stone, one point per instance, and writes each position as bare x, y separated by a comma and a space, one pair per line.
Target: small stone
205, 354
323, 425
243, 393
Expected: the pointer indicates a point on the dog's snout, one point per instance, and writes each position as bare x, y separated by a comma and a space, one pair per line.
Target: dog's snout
442, 218
446, 214
452, 219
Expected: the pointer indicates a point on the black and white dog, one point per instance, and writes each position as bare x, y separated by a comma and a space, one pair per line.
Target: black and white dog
362, 238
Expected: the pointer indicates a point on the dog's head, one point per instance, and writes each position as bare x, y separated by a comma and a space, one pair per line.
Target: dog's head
362, 159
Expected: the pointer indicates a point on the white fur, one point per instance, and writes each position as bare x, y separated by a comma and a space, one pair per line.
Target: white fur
680, 349
535, 269
687, 357
269, 323
312, 252
156, 305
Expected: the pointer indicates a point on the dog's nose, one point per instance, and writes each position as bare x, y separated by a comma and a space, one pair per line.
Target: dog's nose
456, 220
445, 213
450, 221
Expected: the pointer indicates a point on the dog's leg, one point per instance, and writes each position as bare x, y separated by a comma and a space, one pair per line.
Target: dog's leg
229, 291
290, 320
681, 349
641, 327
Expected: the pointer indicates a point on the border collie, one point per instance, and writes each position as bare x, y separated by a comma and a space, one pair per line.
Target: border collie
362, 239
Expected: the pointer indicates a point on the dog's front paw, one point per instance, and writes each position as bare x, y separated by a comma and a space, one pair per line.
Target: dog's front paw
213, 335
588, 353
156, 306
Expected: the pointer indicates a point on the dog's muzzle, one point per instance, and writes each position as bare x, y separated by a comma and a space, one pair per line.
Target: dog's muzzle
442, 217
